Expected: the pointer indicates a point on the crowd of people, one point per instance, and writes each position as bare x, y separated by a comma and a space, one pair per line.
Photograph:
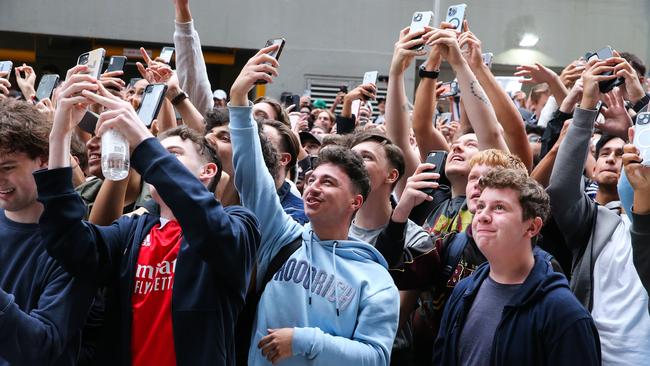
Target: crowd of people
303, 236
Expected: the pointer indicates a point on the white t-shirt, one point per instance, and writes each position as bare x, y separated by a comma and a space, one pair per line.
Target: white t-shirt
620, 308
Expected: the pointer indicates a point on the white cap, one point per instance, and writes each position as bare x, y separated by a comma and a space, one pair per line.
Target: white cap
220, 94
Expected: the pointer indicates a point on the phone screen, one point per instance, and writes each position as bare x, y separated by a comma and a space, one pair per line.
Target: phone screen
6, 66
166, 54
456, 15
116, 63
46, 86
151, 102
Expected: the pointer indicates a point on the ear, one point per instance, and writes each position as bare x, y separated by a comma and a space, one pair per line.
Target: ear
534, 227
357, 202
285, 159
393, 176
208, 171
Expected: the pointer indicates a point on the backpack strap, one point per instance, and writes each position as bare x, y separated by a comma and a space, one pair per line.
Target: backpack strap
278, 261
452, 253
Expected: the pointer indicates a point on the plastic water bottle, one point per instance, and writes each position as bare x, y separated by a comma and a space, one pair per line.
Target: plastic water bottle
115, 155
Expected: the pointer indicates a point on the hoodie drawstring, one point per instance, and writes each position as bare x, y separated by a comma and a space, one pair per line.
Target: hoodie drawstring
309, 253
336, 287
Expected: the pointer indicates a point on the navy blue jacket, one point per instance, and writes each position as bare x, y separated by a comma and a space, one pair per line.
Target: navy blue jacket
213, 265
543, 324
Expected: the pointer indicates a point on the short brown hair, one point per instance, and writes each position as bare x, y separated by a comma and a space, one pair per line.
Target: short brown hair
351, 163
393, 152
277, 107
497, 159
23, 129
532, 196
202, 146
289, 142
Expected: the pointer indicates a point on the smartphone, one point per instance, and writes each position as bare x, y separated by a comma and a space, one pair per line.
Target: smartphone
370, 77
295, 100
356, 106
151, 101
6, 66
420, 20
94, 60
642, 136
275, 54
46, 86
455, 15
603, 54
88, 122
294, 119
445, 117
132, 82
437, 158
487, 59
166, 54
116, 63
451, 89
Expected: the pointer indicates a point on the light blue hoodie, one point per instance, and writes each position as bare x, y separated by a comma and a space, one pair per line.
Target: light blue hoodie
346, 312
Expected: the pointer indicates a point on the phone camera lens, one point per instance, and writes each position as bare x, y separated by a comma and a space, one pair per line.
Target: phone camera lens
83, 60
452, 11
417, 17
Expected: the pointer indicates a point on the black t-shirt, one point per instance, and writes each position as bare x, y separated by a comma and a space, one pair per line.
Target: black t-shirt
476, 338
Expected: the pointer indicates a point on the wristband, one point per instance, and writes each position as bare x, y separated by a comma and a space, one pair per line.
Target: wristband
423, 73
179, 98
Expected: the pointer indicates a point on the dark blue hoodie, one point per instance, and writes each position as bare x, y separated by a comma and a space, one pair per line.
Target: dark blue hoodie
543, 324
214, 260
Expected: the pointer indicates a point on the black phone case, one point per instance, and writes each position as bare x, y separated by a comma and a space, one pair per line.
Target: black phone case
437, 158
117, 65
277, 57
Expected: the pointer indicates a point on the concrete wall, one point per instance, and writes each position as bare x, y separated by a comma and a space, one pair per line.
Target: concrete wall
345, 37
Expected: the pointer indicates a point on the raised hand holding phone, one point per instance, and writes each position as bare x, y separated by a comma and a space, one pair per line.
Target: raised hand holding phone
261, 66
26, 83
596, 71
406, 49
418, 189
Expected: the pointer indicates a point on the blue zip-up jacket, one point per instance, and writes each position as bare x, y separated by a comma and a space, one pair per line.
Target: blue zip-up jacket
337, 295
213, 265
543, 324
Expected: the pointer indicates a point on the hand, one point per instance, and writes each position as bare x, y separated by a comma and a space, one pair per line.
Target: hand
617, 121
471, 47
574, 96
339, 98
535, 74
590, 79
110, 80
364, 91
26, 84
5, 85
71, 106
638, 175
302, 124
276, 346
412, 194
45, 106
402, 53
633, 89
119, 116
156, 71
572, 73
446, 41
259, 67
448, 130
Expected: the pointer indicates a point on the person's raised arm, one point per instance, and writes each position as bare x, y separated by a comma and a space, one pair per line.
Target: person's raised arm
428, 137
158, 72
252, 179
397, 115
190, 65
537, 74
26, 83
479, 110
638, 176
505, 109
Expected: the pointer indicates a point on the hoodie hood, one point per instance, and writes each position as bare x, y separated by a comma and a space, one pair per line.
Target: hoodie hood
352, 248
541, 280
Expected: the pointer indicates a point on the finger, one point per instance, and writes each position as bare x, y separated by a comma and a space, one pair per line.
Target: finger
598, 70
264, 58
630, 133
264, 341
145, 56
424, 176
76, 70
101, 99
77, 88
423, 167
142, 70
4, 90
632, 158
413, 43
112, 74
447, 25
422, 184
74, 100
265, 68
465, 26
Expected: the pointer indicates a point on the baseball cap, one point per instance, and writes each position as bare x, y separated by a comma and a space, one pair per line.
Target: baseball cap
220, 94
308, 136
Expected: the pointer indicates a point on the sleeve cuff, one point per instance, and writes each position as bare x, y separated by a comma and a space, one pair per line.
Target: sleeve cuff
184, 28
584, 118
240, 116
303, 339
640, 223
638, 106
53, 181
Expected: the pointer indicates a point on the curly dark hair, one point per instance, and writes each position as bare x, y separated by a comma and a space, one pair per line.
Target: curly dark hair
203, 147
23, 129
350, 162
532, 196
